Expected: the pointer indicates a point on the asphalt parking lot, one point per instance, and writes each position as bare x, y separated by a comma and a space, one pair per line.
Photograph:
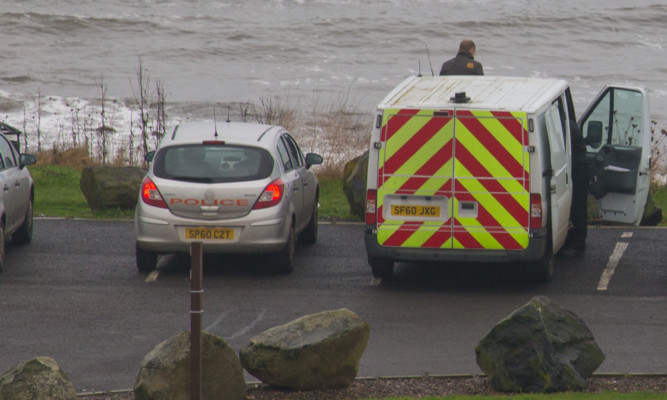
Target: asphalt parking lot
74, 294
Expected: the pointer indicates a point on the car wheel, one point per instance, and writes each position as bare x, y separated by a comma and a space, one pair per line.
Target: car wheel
24, 234
146, 260
309, 235
285, 259
381, 267
2, 246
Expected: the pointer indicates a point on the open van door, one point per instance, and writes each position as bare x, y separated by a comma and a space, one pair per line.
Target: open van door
617, 131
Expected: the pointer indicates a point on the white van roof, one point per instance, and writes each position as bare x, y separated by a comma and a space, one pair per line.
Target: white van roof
485, 92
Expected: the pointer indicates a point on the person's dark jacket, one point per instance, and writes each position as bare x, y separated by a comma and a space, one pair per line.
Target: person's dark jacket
462, 64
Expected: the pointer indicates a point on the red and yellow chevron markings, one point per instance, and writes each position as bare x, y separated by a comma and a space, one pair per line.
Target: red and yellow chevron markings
476, 159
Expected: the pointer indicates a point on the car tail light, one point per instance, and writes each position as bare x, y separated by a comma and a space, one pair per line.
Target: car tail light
371, 206
535, 211
271, 195
150, 195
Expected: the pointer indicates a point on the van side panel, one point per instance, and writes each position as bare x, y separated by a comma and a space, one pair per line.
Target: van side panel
453, 179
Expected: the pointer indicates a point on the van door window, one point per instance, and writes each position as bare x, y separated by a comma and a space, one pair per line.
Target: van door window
616, 120
563, 117
627, 122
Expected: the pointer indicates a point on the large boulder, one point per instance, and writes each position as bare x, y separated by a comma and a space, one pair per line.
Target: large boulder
165, 371
540, 347
38, 379
316, 351
354, 184
111, 187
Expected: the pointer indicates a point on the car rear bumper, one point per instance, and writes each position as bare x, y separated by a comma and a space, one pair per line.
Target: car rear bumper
536, 249
162, 235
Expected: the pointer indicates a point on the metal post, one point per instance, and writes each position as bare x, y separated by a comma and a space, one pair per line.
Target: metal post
196, 317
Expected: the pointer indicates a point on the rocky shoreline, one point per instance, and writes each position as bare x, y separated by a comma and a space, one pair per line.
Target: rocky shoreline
365, 388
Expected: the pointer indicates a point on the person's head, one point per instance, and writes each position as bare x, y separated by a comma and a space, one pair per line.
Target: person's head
467, 46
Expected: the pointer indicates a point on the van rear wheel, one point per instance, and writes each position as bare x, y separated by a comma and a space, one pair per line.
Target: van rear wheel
381, 267
542, 270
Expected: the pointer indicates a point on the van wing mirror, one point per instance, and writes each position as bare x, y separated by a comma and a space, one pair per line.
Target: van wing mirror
594, 134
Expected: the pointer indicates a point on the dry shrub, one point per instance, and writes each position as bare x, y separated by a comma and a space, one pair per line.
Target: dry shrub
271, 111
336, 130
658, 164
76, 157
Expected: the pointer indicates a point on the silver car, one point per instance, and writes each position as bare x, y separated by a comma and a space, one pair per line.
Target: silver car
17, 194
235, 187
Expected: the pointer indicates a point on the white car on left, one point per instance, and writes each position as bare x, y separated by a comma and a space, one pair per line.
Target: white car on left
17, 191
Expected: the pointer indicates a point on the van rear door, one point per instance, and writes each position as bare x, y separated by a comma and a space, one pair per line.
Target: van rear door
453, 179
617, 131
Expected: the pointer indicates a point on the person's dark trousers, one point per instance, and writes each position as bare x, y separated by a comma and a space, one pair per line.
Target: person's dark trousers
576, 237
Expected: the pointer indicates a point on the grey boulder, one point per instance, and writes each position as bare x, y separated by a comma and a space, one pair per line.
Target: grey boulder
111, 187
540, 347
38, 379
354, 184
165, 371
315, 351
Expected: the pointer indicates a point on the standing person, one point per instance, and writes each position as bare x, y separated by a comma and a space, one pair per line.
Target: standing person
575, 244
464, 63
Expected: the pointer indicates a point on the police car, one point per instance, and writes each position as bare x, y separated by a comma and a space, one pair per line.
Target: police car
235, 187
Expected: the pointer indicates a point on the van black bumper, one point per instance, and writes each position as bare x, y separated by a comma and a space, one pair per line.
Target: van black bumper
537, 248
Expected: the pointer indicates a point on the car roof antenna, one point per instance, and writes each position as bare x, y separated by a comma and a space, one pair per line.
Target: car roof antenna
428, 54
215, 124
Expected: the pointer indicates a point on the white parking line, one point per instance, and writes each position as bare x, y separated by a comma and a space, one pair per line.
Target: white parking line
248, 327
152, 277
614, 258
219, 319
162, 262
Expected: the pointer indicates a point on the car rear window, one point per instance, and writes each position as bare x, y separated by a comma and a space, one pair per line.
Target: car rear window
213, 163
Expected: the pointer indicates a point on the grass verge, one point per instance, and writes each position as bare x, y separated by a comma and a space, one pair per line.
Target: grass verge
57, 194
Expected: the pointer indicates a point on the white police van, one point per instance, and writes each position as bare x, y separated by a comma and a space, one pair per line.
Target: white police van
478, 168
